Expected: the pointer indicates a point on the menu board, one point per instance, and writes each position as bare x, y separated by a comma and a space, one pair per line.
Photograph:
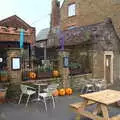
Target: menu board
16, 63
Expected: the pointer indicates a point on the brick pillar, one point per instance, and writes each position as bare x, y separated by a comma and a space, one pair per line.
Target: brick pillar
15, 76
64, 71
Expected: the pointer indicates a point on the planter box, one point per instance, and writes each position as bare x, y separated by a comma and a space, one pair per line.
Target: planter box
45, 75
2, 95
4, 78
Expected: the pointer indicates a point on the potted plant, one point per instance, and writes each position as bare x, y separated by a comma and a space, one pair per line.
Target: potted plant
2, 94
3, 76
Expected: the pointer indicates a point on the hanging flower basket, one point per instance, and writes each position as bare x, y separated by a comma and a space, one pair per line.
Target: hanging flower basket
3, 76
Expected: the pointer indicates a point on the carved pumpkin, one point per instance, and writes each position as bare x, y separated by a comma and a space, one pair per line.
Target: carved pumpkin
55, 93
32, 75
62, 92
68, 91
55, 73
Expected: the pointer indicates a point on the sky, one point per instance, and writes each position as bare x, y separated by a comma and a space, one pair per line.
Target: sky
35, 12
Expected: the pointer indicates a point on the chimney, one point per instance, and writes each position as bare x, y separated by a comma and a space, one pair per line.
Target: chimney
55, 16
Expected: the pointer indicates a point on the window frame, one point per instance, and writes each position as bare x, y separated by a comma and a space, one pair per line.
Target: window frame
15, 60
70, 9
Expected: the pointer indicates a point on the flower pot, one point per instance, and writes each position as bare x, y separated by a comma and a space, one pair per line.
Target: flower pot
3, 76
2, 95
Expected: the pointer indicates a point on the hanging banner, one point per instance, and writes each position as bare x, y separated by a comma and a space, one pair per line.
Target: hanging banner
66, 62
21, 38
60, 36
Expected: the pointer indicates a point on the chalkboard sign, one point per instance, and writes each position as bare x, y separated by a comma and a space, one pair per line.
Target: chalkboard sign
65, 62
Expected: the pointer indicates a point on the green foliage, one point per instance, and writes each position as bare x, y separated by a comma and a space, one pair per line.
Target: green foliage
74, 65
45, 69
13, 92
3, 73
87, 35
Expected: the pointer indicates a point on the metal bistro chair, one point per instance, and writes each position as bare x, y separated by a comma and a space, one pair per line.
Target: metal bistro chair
27, 90
87, 87
99, 85
47, 94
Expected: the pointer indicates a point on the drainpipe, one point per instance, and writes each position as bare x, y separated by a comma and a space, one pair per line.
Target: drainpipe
45, 53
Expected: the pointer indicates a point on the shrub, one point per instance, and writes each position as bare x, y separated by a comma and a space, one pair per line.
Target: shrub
13, 93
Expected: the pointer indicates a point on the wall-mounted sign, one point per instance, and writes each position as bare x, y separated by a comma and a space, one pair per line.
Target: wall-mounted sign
1, 59
65, 61
16, 63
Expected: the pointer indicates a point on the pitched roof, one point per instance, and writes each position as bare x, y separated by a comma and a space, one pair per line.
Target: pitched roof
61, 3
43, 34
14, 21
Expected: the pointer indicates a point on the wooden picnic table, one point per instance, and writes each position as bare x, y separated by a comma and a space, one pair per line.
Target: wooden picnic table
102, 99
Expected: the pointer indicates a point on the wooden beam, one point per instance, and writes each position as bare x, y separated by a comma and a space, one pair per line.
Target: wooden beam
90, 115
79, 104
97, 109
105, 112
115, 117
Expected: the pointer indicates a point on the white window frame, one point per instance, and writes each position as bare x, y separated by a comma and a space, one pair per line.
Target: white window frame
71, 9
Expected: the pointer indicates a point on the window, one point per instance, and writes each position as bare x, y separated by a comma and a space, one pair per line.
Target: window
71, 9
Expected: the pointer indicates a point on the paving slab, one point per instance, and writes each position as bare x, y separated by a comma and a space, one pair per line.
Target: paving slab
36, 110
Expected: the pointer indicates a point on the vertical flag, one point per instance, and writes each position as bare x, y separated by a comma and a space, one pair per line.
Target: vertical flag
61, 39
21, 38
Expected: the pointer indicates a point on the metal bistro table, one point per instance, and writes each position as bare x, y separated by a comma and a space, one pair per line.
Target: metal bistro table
102, 99
39, 88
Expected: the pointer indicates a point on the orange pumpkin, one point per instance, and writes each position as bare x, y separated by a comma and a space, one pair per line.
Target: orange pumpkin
32, 75
68, 91
55, 93
55, 73
62, 92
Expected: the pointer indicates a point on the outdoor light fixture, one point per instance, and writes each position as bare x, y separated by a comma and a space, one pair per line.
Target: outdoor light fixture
1, 59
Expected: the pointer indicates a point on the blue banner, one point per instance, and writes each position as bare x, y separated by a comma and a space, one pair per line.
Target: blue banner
21, 38
61, 38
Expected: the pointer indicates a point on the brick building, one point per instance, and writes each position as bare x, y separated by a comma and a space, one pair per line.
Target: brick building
90, 32
85, 12
10, 41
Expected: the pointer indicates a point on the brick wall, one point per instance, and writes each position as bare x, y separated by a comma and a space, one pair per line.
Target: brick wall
15, 76
90, 12
55, 17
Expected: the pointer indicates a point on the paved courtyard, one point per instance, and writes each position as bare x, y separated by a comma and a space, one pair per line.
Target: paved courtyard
36, 111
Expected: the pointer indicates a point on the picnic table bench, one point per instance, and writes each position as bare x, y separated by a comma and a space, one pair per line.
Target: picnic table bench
102, 99
77, 105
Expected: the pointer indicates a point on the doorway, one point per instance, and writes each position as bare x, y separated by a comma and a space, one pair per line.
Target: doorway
108, 67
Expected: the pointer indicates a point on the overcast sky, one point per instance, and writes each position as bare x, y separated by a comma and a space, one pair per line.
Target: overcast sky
34, 12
